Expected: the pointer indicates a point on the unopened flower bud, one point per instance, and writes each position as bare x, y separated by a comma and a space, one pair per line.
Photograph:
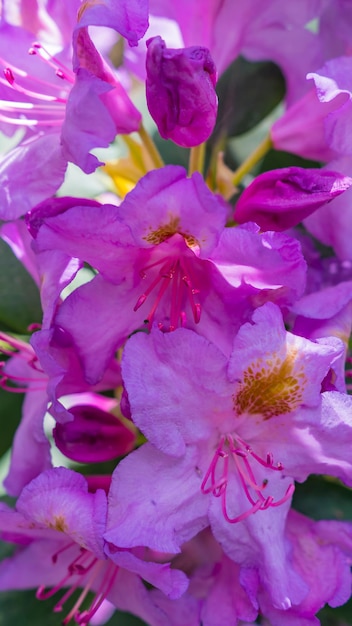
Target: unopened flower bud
280, 199
181, 93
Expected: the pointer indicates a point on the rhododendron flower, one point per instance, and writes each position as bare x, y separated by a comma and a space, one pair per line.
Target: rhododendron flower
59, 525
333, 85
326, 312
217, 592
180, 90
159, 261
59, 109
319, 553
44, 372
230, 436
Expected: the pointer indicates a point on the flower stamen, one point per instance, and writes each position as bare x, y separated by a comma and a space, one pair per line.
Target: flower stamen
217, 477
83, 571
174, 271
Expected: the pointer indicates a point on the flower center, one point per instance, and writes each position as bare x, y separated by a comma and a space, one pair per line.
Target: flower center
174, 274
85, 571
271, 387
234, 456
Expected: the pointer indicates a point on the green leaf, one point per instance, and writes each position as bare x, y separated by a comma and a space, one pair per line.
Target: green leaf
22, 607
323, 498
341, 616
276, 159
171, 152
10, 411
247, 92
19, 295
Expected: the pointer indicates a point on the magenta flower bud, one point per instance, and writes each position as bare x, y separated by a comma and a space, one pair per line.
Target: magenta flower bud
181, 93
93, 435
280, 199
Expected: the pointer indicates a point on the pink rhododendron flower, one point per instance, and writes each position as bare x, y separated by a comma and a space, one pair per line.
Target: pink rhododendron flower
159, 261
230, 436
59, 525
319, 552
59, 109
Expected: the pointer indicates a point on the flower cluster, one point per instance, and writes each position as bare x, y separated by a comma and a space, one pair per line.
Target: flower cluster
193, 351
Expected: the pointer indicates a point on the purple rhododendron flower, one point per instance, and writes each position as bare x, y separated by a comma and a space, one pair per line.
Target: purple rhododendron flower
202, 352
280, 199
64, 113
159, 261
230, 435
180, 90
221, 590
321, 553
59, 525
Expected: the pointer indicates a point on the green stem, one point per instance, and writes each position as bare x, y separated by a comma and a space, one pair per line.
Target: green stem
252, 160
151, 147
196, 159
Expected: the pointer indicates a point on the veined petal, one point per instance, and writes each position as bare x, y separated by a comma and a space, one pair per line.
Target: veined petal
173, 512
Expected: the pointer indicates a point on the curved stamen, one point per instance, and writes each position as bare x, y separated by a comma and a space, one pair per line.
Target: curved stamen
174, 271
10, 78
60, 69
85, 616
83, 571
191, 290
217, 476
30, 122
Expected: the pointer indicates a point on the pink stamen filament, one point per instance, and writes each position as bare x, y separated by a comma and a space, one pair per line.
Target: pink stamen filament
86, 567
216, 478
52, 102
174, 271
104, 589
60, 69
28, 92
30, 122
